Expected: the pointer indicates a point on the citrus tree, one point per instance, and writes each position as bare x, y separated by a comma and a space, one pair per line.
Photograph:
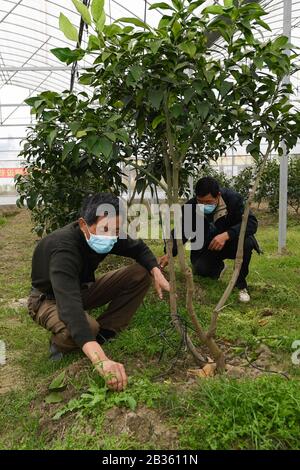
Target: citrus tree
193, 95
65, 159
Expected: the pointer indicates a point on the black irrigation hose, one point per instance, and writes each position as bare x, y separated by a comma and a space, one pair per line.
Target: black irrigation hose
183, 342
261, 368
174, 359
183, 338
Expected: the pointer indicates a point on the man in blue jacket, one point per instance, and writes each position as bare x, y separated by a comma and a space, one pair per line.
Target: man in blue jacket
223, 211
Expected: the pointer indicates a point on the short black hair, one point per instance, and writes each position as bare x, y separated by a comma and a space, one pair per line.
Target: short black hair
91, 208
207, 185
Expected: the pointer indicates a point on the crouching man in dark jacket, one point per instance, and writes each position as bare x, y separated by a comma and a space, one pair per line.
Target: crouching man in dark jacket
64, 284
223, 211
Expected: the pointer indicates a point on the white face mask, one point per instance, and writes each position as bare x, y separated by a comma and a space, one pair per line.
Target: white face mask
101, 244
209, 208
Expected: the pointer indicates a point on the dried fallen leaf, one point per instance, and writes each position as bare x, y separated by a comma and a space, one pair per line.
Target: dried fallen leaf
196, 372
209, 369
263, 322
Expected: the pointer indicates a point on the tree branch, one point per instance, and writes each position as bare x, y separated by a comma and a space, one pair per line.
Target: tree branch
146, 172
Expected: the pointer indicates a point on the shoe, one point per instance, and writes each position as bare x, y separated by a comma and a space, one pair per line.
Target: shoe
55, 354
244, 296
222, 272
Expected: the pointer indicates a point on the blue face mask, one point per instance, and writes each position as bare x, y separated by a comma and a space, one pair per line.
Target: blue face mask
101, 244
209, 208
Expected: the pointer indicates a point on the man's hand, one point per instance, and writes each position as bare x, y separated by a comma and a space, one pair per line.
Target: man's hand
163, 261
113, 373
218, 242
160, 282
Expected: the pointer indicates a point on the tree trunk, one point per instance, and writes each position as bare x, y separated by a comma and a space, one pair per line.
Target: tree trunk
172, 165
213, 348
173, 296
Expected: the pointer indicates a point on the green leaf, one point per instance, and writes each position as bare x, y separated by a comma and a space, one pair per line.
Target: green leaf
103, 146
280, 42
134, 21
101, 22
176, 110
228, 3
188, 94
258, 61
112, 30
176, 29
67, 28
60, 413
86, 78
65, 54
97, 8
58, 382
178, 4
54, 397
213, 10
164, 22
34, 102
225, 87
136, 71
154, 46
51, 137
189, 48
264, 25
74, 126
80, 134
111, 136
161, 5
131, 402
93, 43
84, 11
155, 97
203, 109
209, 75
31, 202
90, 141
67, 150
118, 104
195, 5
128, 29
105, 55
252, 148
157, 121
123, 134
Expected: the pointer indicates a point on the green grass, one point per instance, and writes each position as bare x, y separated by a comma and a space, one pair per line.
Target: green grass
260, 414
3, 221
218, 413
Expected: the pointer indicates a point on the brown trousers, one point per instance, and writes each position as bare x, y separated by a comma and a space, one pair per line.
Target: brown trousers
123, 289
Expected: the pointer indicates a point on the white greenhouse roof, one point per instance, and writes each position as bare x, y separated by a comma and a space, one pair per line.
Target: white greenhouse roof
29, 30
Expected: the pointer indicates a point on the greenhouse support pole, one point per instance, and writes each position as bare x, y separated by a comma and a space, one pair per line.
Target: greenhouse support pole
283, 184
80, 34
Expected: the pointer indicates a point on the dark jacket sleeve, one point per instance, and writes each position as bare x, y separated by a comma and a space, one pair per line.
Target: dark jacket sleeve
64, 277
137, 250
238, 209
